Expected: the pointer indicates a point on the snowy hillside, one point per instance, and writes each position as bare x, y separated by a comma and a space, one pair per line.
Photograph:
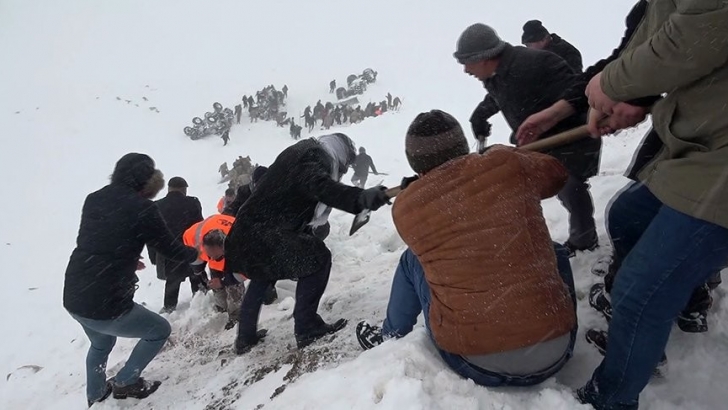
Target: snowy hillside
83, 82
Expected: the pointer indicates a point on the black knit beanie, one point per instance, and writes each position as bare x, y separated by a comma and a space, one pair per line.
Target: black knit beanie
533, 31
133, 170
434, 138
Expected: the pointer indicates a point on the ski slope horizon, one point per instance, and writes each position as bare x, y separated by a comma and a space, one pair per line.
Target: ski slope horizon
69, 69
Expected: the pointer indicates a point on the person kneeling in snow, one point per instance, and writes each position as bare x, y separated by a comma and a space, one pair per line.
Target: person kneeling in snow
116, 222
273, 239
208, 237
496, 292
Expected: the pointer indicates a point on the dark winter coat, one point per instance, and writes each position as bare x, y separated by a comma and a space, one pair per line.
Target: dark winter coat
116, 223
270, 238
529, 81
565, 50
179, 212
362, 164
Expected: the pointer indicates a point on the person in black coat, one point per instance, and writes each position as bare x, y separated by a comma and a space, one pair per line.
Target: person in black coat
361, 166
100, 280
535, 36
521, 82
272, 238
179, 212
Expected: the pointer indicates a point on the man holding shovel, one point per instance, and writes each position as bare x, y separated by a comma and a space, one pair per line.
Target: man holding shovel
521, 82
500, 312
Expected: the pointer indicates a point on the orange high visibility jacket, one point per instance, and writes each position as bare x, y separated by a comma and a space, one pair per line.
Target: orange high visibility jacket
221, 205
194, 234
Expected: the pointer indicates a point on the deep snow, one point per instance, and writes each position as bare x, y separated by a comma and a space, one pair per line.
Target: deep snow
68, 68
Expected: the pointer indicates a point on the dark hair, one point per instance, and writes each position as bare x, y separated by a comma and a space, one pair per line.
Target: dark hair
215, 237
133, 170
230, 192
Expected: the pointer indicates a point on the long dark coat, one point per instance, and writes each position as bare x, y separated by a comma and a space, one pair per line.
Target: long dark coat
271, 238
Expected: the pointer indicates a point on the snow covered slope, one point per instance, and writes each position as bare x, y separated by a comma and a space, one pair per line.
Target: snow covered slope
78, 80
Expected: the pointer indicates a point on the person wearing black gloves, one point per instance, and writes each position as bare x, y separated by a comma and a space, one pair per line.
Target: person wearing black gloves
272, 237
521, 82
116, 222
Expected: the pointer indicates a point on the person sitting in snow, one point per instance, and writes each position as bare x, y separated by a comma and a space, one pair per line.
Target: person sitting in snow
497, 294
116, 222
272, 238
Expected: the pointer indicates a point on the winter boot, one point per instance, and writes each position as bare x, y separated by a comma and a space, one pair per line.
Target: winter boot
368, 336
693, 318
244, 346
572, 249
599, 300
693, 322
598, 339
303, 340
109, 389
139, 390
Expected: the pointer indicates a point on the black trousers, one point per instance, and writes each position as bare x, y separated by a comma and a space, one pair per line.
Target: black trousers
309, 290
577, 200
171, 289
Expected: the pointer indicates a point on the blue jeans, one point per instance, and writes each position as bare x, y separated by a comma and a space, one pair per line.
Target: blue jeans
410, 296
152, 329
667, 254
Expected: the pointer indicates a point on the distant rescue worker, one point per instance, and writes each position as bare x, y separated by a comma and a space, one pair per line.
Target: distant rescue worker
361, 165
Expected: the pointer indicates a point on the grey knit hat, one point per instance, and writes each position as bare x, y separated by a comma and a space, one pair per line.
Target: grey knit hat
478, 42
434, 138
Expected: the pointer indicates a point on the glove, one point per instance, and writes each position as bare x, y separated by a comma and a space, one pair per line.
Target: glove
479, 122
373, 198
408, 180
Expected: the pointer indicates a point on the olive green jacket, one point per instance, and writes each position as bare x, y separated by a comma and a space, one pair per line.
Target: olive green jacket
681, 49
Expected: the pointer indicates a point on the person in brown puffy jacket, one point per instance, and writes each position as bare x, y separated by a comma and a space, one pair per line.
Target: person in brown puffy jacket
497, 293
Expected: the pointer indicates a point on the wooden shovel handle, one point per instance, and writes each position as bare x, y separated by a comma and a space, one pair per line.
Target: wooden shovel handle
566, 137
394, 191
558, 140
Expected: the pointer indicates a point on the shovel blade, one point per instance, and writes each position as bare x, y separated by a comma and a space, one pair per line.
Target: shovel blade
360, 220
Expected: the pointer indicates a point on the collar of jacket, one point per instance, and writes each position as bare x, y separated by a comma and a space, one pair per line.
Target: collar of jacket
504, 66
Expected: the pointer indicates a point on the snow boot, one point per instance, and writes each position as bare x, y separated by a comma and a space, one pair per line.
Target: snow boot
599, 300
368, 336
693, 319
244, 346
109, 389
306, 339
693, 322
572, 249
139, 390
598, 339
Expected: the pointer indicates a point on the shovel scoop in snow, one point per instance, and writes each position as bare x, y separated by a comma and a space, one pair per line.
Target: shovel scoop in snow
362, 217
